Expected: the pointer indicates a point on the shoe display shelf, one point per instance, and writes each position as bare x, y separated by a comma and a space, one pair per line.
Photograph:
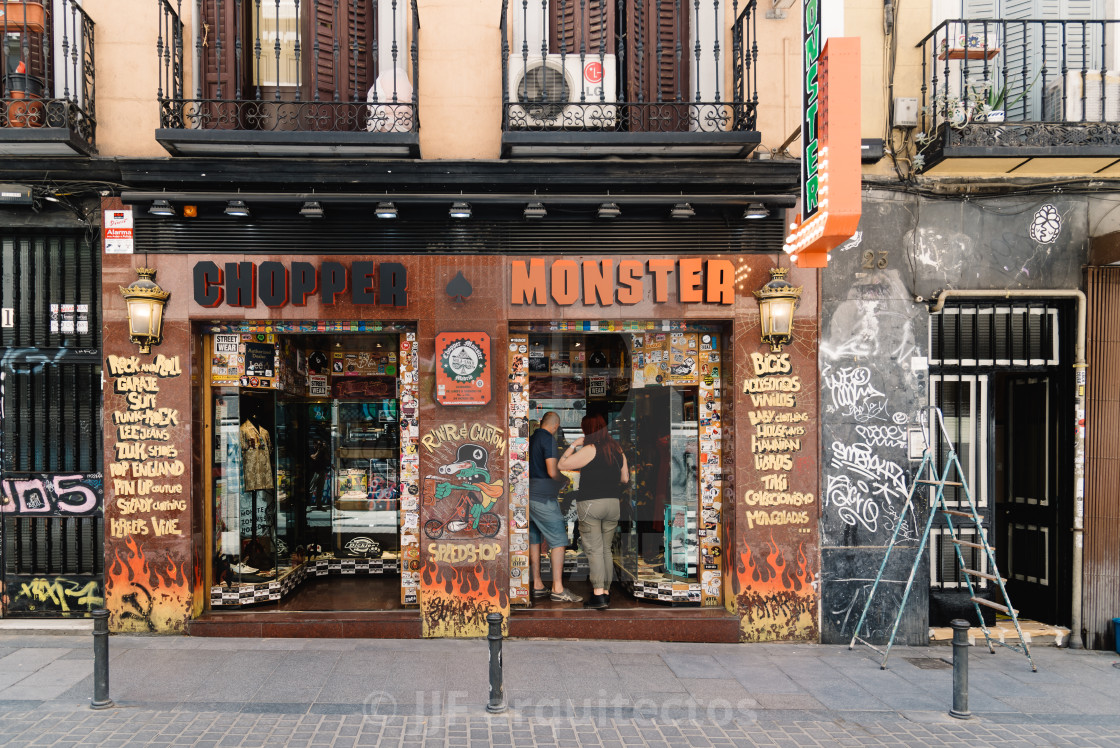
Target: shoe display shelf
649, 583
575, 566
253, 593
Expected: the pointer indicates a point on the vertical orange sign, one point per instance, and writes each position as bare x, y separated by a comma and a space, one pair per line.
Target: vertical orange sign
463, 374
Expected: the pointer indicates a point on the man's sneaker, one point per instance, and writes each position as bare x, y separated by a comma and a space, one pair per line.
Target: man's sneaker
539, 592
567, 596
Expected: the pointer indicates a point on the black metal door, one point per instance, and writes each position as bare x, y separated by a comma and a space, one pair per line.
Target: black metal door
1027, 523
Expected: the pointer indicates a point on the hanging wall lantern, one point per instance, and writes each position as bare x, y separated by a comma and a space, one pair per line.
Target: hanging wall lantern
776, 302
145, 301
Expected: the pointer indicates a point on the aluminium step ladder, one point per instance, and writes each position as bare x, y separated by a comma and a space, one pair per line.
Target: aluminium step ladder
928, 476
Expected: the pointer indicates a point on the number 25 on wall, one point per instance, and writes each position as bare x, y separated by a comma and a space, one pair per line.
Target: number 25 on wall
872, 260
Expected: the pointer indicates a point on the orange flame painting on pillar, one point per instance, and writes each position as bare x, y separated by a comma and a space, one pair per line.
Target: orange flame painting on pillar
776, 598
145, 596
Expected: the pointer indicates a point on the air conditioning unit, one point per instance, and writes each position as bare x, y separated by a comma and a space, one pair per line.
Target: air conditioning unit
559, 92
1052, 110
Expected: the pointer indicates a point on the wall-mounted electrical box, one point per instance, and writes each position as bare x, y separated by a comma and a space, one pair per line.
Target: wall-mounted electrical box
905, 112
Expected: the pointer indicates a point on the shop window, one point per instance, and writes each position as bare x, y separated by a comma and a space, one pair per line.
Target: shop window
306, 490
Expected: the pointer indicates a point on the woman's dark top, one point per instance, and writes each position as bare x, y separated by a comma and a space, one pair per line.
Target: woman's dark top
600, 479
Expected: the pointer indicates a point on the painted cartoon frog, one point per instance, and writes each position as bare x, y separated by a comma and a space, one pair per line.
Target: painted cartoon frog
470, 473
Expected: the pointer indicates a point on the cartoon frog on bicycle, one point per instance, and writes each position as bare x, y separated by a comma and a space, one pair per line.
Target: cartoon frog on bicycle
469, 475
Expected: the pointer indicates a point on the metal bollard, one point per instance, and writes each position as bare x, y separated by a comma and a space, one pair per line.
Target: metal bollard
101, 698
960, 669
497, 703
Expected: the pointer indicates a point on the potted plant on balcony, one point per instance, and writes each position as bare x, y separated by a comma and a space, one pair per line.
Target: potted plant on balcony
24, 91
17, 14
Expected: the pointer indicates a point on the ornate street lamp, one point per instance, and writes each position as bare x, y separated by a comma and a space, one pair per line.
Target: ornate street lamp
776, 302
145, 301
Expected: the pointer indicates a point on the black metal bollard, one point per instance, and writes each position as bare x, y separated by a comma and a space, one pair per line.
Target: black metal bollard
960, 669
101, 698
497, 703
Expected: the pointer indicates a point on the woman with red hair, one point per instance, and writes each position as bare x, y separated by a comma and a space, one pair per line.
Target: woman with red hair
603, 475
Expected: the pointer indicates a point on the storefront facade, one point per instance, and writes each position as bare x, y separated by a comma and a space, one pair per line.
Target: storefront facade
344, 436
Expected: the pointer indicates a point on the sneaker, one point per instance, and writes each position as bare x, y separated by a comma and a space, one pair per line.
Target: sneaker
539, 592
567, 596
598, 602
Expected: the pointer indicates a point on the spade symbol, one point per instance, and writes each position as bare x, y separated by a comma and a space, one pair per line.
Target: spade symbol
459, 288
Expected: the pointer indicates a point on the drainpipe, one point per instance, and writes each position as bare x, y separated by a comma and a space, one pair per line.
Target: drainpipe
1081, 368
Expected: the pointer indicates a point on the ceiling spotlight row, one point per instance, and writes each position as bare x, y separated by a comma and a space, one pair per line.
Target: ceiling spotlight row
533, 211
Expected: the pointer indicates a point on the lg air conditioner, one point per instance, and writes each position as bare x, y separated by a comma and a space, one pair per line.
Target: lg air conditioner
560, 92
1089, 86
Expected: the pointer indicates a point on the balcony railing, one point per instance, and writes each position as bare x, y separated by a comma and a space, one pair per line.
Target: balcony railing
1015, 84
586, 71
335, 74
46, 53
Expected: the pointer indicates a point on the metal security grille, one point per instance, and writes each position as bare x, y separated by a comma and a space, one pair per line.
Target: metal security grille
944, 569
52, 418
974, 335
350, 230
53, 545
979, 349
49, 291
50, 396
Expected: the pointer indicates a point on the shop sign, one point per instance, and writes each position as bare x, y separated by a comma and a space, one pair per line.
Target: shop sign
277, 284
830, 142
463, 368
566, 282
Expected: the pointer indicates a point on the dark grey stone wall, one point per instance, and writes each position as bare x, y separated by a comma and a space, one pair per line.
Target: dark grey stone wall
874, 374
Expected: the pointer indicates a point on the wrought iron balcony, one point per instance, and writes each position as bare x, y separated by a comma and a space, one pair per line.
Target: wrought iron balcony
46, 53
602, 77
1013, 91
313, 77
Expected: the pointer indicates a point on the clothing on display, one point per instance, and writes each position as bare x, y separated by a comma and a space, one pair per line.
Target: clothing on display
256, 459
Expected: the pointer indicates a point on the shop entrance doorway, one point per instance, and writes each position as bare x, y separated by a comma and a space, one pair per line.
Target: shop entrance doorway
305, 485
658, 388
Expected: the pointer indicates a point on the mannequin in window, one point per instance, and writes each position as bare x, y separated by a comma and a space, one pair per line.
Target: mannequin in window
256, 459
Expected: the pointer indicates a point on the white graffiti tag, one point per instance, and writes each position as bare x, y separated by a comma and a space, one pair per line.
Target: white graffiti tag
883, 436
852, 393
852, 502
879, 486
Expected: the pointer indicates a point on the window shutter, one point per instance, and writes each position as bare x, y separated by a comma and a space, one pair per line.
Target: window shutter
657, 35
220, 29
344, 73
581, 27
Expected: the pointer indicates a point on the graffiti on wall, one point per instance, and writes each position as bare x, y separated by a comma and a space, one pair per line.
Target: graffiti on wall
63, 596
70, 495
866, 484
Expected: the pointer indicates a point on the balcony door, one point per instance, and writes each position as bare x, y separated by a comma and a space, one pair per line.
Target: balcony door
287, 51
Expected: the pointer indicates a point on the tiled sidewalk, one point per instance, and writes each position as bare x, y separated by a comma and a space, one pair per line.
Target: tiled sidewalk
238, 692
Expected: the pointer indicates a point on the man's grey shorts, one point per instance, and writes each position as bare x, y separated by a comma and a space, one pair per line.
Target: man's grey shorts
545, 519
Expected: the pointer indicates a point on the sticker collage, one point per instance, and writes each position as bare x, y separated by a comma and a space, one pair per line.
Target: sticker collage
519, 470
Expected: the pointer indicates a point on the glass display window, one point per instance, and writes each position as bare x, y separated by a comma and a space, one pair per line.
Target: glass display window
307, 472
